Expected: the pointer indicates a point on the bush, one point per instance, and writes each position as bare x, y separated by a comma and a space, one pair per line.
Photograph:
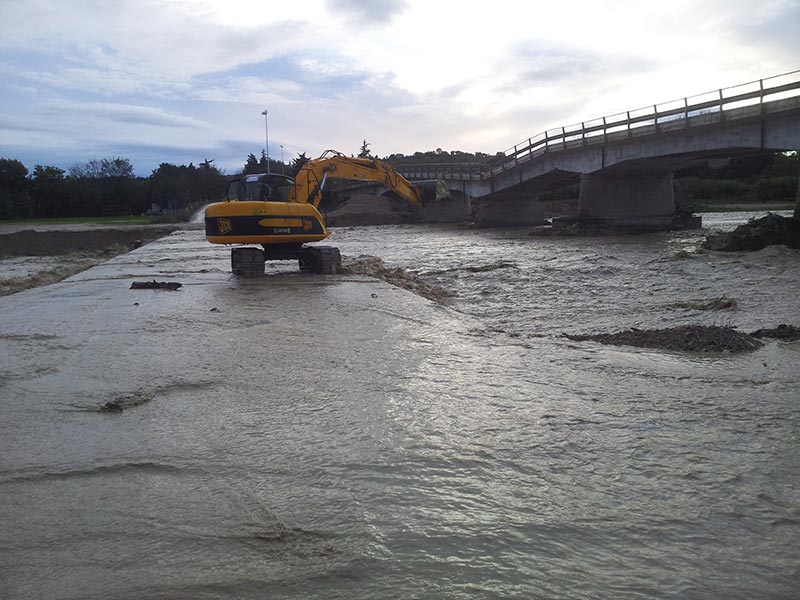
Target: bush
775, 189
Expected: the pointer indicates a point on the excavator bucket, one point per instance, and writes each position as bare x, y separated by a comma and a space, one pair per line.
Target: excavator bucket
432, 190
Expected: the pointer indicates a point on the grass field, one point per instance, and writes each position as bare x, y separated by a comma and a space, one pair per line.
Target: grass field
136, 220
740, 206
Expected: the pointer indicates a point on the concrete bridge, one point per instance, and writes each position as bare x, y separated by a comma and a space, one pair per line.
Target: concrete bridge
624, 162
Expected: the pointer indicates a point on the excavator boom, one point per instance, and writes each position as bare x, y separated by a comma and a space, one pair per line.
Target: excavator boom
311, 179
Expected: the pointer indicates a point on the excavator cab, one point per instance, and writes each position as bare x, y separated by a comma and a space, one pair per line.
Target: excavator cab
260, 187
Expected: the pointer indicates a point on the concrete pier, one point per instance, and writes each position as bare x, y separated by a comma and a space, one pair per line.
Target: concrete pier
510, 213
628, 200
456, 209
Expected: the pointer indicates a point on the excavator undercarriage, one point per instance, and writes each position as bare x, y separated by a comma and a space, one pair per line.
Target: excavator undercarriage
248, 262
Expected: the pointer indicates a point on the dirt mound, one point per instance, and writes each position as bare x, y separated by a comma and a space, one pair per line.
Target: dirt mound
373, 266
51, 243
757, 234
370, 209
690, 338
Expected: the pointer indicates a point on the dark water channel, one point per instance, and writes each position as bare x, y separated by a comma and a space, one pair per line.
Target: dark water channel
409, 450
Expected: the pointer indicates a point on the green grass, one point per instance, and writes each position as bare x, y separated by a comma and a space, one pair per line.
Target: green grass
700, 206
135, 220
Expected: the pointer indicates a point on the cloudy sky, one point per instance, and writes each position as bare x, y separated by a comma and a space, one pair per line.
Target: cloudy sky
186, 80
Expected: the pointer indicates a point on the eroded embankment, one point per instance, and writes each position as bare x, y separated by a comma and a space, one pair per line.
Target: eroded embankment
71, 252
31, 242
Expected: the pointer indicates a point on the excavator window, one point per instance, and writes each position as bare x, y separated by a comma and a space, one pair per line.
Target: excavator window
252, 188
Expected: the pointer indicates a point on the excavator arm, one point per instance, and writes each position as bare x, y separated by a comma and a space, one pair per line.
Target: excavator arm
311, 179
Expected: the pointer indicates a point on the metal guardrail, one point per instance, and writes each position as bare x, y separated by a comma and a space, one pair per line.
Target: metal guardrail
725, 104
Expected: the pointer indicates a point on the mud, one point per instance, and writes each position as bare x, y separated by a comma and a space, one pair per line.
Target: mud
373, 266
686, 338
781, 332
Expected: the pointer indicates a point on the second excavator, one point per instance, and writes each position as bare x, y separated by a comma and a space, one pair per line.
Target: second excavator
281, 214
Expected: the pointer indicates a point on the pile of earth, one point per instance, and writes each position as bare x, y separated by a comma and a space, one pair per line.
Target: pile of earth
756, 234
373, 266
46, 242
371, 209
693, 338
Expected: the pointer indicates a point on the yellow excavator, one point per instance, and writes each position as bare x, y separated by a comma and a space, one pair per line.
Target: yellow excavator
280, 214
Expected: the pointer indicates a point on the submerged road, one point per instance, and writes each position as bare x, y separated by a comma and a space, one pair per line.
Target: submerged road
309, 436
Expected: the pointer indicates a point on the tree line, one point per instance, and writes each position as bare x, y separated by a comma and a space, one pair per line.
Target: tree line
102, 187
108, 186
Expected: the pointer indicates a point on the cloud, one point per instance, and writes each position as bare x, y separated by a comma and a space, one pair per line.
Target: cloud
368, 12
122, 113
108, 78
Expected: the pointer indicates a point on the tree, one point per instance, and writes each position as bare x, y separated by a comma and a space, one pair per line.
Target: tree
104, 167
179, 186
251, 165
365, 152
14, 189
51, 197
299, 162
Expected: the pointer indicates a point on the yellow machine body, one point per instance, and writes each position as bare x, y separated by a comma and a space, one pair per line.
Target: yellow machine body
264, 223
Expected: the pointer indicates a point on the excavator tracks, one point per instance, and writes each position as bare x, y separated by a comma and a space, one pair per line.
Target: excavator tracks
321, 259
248, 263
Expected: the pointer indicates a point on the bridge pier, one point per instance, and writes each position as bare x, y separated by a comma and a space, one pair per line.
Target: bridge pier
514, 212
456, 209
627, 200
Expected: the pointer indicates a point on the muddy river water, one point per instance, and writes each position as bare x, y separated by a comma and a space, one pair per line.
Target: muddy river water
335, 437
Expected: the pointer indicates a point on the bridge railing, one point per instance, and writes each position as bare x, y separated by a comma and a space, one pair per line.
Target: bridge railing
725, 104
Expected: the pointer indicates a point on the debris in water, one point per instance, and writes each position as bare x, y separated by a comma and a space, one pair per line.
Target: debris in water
155, 285
691, 338
373, 266
721, 303
781, 332
500, 264
128, 401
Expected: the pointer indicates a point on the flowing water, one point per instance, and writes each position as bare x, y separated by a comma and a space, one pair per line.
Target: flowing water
467, 451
